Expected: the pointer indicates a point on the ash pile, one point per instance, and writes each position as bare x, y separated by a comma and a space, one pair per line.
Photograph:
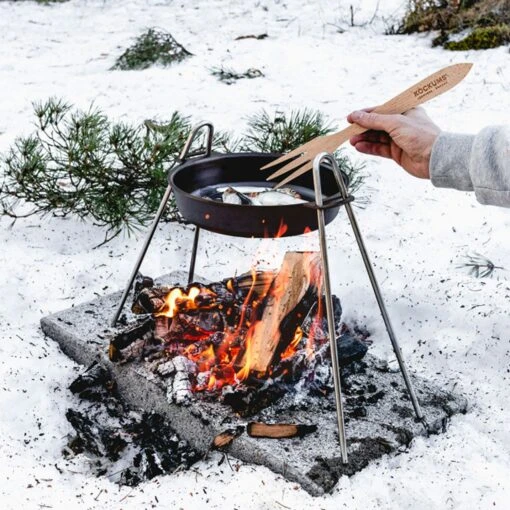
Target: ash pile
126, 446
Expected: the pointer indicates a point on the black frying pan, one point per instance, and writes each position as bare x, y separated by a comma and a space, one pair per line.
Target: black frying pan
194, 182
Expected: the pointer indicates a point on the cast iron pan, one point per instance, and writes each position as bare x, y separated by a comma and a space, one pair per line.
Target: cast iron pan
196, 179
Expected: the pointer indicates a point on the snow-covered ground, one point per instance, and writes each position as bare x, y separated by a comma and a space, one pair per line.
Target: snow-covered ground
454, 328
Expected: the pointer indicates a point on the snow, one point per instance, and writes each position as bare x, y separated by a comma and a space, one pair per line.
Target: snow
453, 327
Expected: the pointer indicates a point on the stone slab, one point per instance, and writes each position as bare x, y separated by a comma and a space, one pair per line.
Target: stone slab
386, 426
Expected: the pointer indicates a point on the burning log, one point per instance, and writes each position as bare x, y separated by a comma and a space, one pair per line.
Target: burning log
224, 339
199, 326
298, 272
279, 430
245, 282
160, 326
181, 390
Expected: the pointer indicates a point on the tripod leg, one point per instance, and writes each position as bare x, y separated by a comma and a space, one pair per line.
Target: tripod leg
141, 256
378, 297
330, 312
191, 273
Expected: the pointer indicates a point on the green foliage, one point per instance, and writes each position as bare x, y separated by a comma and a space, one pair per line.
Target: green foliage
487, 22
353, 171
152, 47
82, 163
282, 133
482, 39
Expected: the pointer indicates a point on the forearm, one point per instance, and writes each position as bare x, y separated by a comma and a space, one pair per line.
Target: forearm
479, 163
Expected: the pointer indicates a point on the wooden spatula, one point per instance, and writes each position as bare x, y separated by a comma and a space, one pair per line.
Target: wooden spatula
430, 87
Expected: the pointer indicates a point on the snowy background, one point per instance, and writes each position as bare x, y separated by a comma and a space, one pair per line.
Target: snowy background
453, 327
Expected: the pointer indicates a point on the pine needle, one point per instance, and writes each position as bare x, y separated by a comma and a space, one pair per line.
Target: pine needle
479, 266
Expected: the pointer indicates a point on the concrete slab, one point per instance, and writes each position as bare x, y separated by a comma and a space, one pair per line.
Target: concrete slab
379, 417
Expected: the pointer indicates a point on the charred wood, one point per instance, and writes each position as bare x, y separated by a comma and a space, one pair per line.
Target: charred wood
242, 284
127, 336
161, 448
249, 400
142, 282
96, 376
150, 300
186, 327
319, 329
146, 444
92, 437
350, 349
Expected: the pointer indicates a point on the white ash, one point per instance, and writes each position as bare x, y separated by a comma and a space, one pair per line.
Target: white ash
180, 389
166, 368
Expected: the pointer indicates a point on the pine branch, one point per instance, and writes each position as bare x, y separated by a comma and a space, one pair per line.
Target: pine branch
152, 47
81, 163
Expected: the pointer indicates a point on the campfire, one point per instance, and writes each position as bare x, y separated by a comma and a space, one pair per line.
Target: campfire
245, 335
269, 344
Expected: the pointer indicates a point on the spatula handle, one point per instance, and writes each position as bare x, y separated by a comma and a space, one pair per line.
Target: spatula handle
419, 93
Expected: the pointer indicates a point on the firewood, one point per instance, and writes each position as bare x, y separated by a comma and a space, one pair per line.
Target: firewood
244, 282
142, 282
128, 336
150, 300
196, 326
279, 430
298, 272
224, 439
95, 375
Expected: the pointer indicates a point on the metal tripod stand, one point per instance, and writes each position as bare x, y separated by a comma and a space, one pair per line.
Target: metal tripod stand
344, 199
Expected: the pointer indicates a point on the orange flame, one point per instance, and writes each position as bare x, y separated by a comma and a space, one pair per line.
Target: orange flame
292, 348
282, 230
245, 371
278, 291
178, 300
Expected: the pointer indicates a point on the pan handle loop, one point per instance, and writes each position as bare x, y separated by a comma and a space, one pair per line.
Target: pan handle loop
191, 138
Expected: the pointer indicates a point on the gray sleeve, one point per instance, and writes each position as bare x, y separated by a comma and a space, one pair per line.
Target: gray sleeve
479, 163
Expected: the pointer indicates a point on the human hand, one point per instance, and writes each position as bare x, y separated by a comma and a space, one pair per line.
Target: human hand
407, 139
